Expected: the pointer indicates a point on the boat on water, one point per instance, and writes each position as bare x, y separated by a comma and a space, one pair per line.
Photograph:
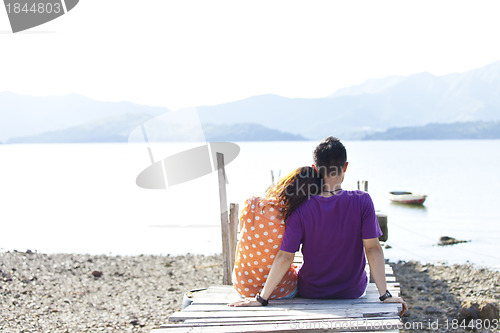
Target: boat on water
408, 198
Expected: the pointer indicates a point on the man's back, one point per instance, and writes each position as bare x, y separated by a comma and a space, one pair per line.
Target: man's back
331, 230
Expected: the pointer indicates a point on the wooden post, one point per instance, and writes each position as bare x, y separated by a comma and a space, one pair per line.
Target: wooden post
233, 231
363, 185
382, 221
224, 221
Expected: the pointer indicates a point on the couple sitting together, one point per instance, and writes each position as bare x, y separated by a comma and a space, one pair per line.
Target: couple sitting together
335, 227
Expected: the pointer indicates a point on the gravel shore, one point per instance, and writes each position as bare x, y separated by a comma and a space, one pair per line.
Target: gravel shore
84, 293
437, 294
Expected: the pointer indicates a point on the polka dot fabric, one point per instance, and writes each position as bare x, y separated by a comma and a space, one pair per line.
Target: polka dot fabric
260, 240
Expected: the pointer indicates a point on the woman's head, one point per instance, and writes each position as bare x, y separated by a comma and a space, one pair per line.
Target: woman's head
293, 189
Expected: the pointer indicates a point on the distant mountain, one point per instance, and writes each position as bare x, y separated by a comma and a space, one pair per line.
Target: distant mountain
453, 131
246, 132
117, 129
350, 113
311, 118
22, 115
112, 129
375, 105
77, 119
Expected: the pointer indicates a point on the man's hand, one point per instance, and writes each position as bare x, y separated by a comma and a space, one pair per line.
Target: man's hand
246, 302
397, 300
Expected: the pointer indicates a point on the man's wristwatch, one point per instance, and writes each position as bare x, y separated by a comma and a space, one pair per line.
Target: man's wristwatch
262, 301
385, 296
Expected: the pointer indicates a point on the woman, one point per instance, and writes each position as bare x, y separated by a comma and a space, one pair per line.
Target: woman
262, 225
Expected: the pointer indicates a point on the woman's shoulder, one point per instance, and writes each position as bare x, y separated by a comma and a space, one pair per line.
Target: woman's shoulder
262, 201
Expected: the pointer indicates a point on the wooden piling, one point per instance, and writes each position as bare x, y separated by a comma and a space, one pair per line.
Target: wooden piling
233, 231
363, 185
224, 219
382, 221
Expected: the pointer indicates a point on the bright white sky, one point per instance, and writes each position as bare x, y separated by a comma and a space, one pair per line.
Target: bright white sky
187, 53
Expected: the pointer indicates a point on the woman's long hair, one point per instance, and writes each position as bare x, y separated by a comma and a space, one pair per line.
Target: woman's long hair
293, 189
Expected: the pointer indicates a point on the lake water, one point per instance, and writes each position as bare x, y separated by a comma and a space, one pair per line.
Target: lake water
83, 198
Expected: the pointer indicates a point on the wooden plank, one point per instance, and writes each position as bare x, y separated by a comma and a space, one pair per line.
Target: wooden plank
226, 252
372, 295
266, 320
292, 306
272, 328
250, 320
196, 329
373, 298
389, 310
232, 293
262, 328
307, 325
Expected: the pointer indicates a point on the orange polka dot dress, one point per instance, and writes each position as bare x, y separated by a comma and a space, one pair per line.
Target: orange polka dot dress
260, 239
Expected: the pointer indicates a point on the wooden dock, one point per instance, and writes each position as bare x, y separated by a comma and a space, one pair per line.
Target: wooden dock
208, 312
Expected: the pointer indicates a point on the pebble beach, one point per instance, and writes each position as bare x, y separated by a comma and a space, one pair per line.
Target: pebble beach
89, 293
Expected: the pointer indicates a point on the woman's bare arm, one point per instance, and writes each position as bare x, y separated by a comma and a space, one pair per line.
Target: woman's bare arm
279, 268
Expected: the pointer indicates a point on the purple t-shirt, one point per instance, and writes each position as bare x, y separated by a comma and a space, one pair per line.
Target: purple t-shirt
331, 231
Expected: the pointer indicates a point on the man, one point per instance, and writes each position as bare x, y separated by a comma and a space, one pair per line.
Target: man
336, 229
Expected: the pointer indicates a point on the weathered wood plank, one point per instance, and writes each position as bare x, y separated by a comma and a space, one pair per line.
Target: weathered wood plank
291, 306
249, 320
390, 310
268, 320
307, 325
370, 298
270, 328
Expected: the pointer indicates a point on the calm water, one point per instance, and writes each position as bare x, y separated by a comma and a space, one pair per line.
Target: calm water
83, 198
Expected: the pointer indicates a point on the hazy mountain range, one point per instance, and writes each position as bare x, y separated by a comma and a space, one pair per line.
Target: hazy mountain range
351, 113
375, 105
30, 116
453, 131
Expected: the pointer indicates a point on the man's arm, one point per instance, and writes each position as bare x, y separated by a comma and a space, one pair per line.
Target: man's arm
278, 270
376, 260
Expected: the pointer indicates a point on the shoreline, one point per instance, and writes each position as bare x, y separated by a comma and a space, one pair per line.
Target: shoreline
90, 293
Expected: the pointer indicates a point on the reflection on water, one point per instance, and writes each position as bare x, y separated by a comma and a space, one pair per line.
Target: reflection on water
409, 206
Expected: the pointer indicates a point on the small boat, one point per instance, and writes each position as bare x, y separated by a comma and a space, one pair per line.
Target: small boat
408, 198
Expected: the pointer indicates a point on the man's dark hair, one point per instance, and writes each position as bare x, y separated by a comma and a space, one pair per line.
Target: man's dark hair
330, 156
